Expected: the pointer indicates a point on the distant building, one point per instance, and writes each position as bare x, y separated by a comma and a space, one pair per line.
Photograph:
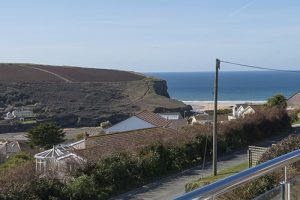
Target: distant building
241, 110
171, 116
142, 120
60, 160
130, 141
8, 148
23, 114
294, 101
8, 115
201, 119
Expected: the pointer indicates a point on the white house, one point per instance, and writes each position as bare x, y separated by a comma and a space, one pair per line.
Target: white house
8, 115
171, 116
240, 110
23, 113
142, 120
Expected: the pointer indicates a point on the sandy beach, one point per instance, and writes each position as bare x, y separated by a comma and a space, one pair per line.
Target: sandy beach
209, 105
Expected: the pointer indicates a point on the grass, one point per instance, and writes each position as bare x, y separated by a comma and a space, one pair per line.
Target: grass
28, 122
14, 161
210, 179
296, 122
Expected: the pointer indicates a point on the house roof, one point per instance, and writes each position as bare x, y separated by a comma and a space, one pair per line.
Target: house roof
244, 105
203, 117
175, 115
58, 150
294, 100
130, 141
8, 147
50, 153
254, 107
178, 124
153, 118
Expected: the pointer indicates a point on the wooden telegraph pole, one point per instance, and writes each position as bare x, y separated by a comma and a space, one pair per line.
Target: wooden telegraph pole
215, 118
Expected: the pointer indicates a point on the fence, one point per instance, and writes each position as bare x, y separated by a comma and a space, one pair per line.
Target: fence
254, 154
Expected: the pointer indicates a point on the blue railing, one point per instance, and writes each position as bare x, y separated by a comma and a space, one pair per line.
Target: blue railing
227, 184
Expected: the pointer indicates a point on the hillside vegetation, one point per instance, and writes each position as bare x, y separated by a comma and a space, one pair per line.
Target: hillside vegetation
74, 96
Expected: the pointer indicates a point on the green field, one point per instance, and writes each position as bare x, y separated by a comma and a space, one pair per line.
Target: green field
210, 179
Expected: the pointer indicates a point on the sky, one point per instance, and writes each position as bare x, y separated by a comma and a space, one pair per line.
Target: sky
151, 36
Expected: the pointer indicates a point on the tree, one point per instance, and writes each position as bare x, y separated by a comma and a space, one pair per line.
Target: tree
105, 125
45, 135
277, 100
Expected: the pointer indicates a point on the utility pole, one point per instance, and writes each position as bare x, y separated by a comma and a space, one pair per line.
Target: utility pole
215, 118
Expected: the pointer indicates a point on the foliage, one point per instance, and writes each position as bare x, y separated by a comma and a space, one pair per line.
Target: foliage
42, 189
80, 136
294, 116
105, 124
83, 187
266, 122
210, 179
120, 172
277, 100
14, 161
45, 135
220, 111
265, 183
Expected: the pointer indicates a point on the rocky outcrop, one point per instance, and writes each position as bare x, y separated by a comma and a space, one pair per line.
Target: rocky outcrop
160, 87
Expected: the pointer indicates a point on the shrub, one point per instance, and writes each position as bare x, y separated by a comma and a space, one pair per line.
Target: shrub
277, 100
265, 183
268, 121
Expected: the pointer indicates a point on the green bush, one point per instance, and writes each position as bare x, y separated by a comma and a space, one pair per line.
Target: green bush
120, 172
269, 121
14, 161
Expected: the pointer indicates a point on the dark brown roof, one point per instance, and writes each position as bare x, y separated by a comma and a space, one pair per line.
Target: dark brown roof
153, 118
131, 141
178, 124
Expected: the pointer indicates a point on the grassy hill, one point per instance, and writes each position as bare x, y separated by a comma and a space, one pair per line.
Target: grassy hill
74, 96
46, 73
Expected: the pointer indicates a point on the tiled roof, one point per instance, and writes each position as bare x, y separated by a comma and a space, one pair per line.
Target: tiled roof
153, 118
131, 141
294, 100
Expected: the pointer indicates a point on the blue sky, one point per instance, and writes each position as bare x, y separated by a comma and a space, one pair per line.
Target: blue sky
151, 36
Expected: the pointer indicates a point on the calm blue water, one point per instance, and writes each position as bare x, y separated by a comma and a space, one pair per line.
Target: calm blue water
244, 86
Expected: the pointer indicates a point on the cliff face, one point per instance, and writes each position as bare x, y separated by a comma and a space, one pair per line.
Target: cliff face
75, 104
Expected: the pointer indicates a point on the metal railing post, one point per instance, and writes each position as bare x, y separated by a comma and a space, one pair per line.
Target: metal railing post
285, 187
282, 194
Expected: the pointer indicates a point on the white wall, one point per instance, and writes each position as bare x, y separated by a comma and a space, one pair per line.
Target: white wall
132, 123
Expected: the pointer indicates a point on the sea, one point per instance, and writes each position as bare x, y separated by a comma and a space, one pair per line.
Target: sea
233, 86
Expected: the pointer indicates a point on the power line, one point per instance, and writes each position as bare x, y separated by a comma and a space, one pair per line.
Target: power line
257, 67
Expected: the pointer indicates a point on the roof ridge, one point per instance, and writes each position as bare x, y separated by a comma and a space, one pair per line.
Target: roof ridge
293, 95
